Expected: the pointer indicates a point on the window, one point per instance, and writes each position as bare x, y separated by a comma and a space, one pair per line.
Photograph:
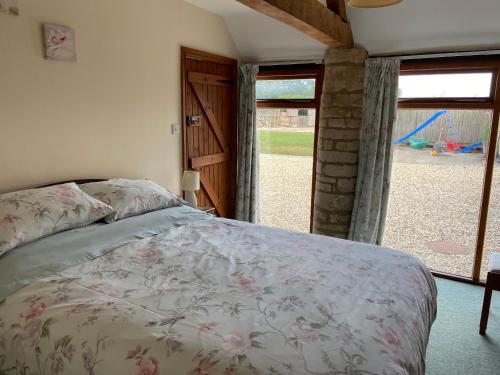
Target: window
436, 189
444, 160
291, 89
286, 146
461, 85
288, 100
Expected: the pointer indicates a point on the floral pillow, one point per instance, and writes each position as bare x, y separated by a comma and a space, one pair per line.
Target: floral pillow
131, 197
32, 214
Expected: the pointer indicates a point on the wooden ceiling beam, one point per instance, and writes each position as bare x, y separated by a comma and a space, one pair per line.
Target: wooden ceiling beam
309, 16
338, 7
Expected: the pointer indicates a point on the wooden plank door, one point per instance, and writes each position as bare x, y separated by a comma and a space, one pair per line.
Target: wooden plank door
209, 126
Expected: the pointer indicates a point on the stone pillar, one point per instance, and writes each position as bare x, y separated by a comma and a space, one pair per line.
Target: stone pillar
338, 141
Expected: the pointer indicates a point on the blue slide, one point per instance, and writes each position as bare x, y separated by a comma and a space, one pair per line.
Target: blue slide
421, 127
470, 148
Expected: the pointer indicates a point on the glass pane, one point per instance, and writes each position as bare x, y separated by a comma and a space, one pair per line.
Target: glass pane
286, 89
465, 85
436, 186
492, 240
286, 139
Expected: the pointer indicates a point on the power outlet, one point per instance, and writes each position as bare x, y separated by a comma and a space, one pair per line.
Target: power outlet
175, 129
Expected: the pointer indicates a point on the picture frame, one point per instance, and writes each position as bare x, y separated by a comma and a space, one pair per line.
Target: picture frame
59, 42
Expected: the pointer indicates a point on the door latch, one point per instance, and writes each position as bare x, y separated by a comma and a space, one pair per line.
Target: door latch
193, 121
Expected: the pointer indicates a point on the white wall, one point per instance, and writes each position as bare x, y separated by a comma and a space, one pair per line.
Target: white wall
108, 114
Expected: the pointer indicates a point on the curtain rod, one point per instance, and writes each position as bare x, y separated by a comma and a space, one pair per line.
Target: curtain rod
410, 56
295, 62
417, 56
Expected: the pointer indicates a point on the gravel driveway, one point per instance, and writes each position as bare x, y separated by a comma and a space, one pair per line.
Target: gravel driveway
285, 191
434, 201
437, 199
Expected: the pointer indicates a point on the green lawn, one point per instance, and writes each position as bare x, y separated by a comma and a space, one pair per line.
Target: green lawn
286, 143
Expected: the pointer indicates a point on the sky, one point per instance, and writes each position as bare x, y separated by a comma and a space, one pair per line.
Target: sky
465, 85
461, 85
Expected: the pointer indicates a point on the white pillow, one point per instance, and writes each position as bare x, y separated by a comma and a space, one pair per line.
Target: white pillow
131, 197
32, 214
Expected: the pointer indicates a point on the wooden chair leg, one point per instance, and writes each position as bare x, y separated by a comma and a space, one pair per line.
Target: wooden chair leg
486, 310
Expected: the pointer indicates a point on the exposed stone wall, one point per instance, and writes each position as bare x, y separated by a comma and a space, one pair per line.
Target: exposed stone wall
338, 142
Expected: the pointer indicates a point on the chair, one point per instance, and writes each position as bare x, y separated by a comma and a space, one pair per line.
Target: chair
492, 283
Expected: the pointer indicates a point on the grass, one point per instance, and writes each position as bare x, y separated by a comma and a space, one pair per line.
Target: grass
286, 143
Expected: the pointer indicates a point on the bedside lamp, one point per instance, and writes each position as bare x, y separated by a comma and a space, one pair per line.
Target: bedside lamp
190, 184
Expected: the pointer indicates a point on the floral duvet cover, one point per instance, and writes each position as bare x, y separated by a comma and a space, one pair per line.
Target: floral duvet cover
221, 297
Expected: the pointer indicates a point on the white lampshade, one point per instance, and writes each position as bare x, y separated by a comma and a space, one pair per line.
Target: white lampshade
191, 181
372, 3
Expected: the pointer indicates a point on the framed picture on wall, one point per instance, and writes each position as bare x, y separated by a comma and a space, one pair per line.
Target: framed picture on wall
59, 42
9, 7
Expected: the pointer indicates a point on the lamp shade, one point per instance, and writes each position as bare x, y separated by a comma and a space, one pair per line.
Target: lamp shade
191, 181
372, 3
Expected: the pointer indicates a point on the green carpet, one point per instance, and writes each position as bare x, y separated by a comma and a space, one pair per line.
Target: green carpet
455, 346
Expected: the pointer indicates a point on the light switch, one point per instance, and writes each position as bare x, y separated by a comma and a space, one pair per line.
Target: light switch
176, 129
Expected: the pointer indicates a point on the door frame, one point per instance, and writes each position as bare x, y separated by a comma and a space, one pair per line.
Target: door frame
472, 64
187, 52
282, 72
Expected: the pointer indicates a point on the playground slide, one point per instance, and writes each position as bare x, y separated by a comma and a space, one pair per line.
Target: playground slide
421, 127
470, 148
422, 141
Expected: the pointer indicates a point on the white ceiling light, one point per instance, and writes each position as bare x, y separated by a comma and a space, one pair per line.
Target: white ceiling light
372, 3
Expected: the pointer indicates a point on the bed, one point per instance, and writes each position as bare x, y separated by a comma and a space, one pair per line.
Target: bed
177, 291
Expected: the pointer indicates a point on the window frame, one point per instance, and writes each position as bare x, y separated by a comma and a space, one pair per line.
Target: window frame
289, 73
452, 66
452, 100
474, 64
284, 72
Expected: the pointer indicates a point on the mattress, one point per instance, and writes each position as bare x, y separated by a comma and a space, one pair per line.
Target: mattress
180, 292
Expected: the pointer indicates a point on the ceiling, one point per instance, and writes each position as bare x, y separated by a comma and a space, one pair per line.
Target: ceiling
428, 26
412, 26
261, 38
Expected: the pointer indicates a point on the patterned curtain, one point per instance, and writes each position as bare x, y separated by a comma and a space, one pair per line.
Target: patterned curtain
247, 184
379, 115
